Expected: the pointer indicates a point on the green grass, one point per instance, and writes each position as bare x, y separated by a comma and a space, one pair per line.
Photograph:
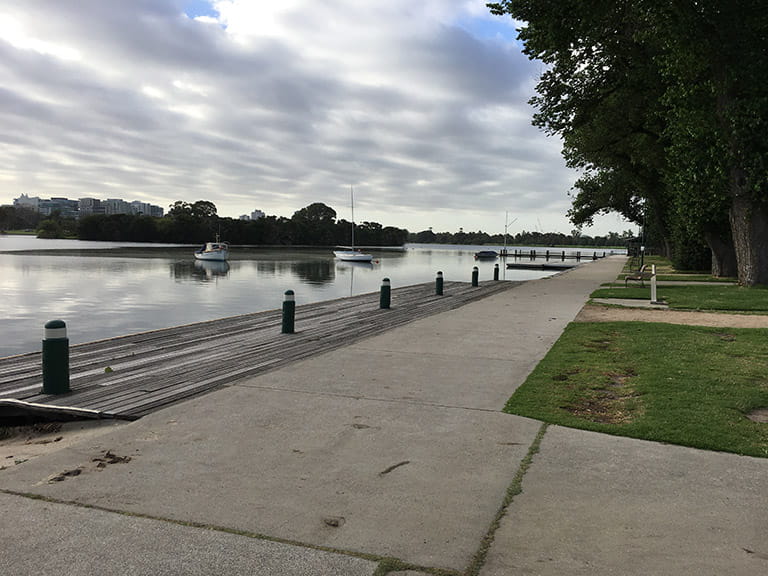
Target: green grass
665, 270
697, 297
679, 384
694, 278
679, 277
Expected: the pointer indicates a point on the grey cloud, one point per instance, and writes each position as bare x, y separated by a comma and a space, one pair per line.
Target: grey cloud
430, 123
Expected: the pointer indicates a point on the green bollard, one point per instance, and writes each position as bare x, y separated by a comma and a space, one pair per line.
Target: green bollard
439, 284
289, 312
475, 276
386, 294
496, 272
55, 358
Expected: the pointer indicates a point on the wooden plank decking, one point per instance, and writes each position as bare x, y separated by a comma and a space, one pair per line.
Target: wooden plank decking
154, 369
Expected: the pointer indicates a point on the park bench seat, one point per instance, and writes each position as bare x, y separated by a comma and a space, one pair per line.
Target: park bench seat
639, 276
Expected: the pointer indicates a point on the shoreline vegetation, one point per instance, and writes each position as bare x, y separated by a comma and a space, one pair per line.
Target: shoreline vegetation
696, 386
314, 225
317, 248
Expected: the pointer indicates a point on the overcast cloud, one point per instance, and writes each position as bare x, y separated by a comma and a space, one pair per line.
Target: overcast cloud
421, 106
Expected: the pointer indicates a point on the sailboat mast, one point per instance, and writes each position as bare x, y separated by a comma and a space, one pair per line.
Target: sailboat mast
506, 227
352, 203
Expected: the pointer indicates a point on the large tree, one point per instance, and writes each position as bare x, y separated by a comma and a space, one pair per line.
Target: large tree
715, 64
662, 104
315, 224
601, 92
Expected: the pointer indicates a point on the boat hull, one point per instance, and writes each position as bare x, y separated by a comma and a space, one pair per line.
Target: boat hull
352, 256
213, 251
214, 256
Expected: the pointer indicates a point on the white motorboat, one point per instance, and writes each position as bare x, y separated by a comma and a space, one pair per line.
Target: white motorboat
350, 253
216, 251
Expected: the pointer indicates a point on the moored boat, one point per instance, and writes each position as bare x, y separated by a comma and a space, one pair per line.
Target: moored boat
350, 253
216, 251
486, 255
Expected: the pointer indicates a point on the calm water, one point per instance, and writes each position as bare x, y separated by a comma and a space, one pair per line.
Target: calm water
135, 287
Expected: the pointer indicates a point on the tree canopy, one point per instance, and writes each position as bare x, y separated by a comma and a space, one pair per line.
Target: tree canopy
663, 105
185, 223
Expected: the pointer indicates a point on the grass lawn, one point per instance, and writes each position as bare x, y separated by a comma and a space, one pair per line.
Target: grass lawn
679, 384
666, 271
697, 297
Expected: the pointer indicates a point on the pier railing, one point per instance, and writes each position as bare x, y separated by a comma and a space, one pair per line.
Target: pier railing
561, 255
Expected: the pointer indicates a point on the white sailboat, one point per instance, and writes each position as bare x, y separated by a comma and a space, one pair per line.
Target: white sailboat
350, 253
213, 251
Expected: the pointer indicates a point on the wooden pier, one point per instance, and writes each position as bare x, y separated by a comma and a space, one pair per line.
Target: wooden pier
130, 376
548, 259
561, 255
533, 265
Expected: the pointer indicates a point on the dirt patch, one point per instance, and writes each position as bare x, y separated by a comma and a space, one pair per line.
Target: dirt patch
760, 415
108, 457
614, 402
607, 407
19, 444
595, 313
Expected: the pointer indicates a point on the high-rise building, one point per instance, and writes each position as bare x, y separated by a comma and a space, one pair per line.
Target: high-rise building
64, 206
141, 208
90, 206
87, 206
27, 202
116, 206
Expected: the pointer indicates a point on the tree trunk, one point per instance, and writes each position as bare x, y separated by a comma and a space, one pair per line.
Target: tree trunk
723, 255
749, 227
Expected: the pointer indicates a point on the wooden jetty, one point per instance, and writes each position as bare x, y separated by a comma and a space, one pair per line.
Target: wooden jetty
130, 376
540, 265
552, 259
561, 255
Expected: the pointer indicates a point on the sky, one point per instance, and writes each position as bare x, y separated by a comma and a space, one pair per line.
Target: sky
420, 107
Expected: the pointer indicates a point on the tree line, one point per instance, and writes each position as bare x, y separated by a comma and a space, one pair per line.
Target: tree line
198, 222
663, 106
18, 218
523, 238
314, 225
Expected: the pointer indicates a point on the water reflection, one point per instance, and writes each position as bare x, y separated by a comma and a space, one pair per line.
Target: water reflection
199, 270
207, 270
348, 269
342, 265
316, 272
313, 271
111, 293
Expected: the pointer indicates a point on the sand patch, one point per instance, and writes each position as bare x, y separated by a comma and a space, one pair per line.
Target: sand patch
595, 313
20, 444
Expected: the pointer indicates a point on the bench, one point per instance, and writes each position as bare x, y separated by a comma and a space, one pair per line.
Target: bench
640, 276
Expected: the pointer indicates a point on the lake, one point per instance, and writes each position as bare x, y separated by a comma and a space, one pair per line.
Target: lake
102, 290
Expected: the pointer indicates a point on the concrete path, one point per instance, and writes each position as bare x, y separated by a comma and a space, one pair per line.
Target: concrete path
598, 504
394, 447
